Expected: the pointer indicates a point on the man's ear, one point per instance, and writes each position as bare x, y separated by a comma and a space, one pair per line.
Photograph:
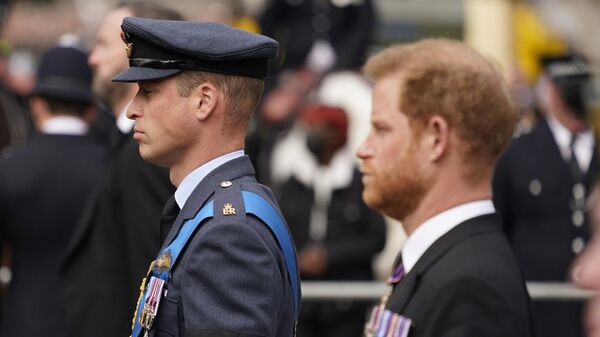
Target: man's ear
39, 110
437, 137
206, 100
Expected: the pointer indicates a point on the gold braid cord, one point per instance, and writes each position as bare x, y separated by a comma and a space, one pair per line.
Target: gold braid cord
142, 289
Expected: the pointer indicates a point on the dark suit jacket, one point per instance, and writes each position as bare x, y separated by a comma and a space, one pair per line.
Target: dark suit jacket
466, 284
42, 192
114, 243
539, 226
348, 30
231, 279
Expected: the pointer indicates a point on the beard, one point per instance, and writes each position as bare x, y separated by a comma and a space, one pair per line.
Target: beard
398, 194
109, 92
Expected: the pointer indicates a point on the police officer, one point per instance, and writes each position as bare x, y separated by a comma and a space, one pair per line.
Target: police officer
227, 266
43, 188
540, 187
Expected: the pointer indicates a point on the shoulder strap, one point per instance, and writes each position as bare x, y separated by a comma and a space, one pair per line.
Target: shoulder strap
263, 210
161, 267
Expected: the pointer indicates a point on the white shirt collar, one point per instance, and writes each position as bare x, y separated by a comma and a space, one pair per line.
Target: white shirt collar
584, 144
434, 228
64, 125
189, 183
123, 122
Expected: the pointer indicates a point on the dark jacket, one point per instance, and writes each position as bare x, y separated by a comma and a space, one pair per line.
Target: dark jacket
538, 220
296, 25
231, 280
355, 233
115, 241
43, 188
466, 284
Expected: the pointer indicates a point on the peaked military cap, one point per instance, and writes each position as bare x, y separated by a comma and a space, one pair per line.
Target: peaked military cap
570, 74
162, 48
566, 66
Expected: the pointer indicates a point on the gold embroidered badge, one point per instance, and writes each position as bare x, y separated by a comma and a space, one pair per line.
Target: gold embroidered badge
128, 44
228, 209
164, 261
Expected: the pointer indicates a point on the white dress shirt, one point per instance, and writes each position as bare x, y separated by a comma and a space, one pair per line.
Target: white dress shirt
584, 143
434, 228
64, 125
124, 124
189, 183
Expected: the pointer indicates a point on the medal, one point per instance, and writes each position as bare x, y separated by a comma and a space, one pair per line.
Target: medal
150, 308
383, 322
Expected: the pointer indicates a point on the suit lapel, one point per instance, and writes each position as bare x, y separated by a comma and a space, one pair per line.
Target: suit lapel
231, 170
404, 290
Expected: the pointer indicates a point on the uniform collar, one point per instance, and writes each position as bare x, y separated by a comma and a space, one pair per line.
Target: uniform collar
434, 228
584, 143
189, 183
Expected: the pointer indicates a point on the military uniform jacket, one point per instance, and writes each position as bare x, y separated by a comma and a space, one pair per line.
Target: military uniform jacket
467, 284
231, 279
533, 192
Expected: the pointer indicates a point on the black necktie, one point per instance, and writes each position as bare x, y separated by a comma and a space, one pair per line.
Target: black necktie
168, 216
573, 163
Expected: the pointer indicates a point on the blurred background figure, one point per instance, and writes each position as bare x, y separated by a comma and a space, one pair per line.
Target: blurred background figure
43, 187
336, 234
119, 233
540, 188
316, 37
15, 121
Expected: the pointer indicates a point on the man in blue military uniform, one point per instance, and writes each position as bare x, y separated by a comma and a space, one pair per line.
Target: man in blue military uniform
541, 184
227, 266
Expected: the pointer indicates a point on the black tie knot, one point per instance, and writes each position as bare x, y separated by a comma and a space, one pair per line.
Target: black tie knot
169, 213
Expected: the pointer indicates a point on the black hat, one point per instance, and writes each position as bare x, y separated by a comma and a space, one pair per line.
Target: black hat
570, 74
566, 66
162, 48
64, 74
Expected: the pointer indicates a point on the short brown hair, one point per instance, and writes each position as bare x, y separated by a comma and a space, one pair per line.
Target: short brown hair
446, 78
242, 94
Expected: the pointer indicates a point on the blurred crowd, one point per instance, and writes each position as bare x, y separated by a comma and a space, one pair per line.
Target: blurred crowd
80, 209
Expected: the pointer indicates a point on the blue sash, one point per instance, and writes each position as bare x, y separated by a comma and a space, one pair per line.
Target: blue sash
254, 205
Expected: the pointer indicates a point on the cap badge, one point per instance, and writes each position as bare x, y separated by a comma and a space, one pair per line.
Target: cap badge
228, 209
128, 43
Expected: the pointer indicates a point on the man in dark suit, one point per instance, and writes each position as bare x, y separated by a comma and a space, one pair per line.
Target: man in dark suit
227, 266
441, 116
119, 232
43, 187
541, 185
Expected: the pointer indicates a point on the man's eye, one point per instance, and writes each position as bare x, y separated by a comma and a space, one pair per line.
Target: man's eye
379, 128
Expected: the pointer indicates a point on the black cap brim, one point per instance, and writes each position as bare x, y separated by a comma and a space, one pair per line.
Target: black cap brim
70, 94
136, 74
